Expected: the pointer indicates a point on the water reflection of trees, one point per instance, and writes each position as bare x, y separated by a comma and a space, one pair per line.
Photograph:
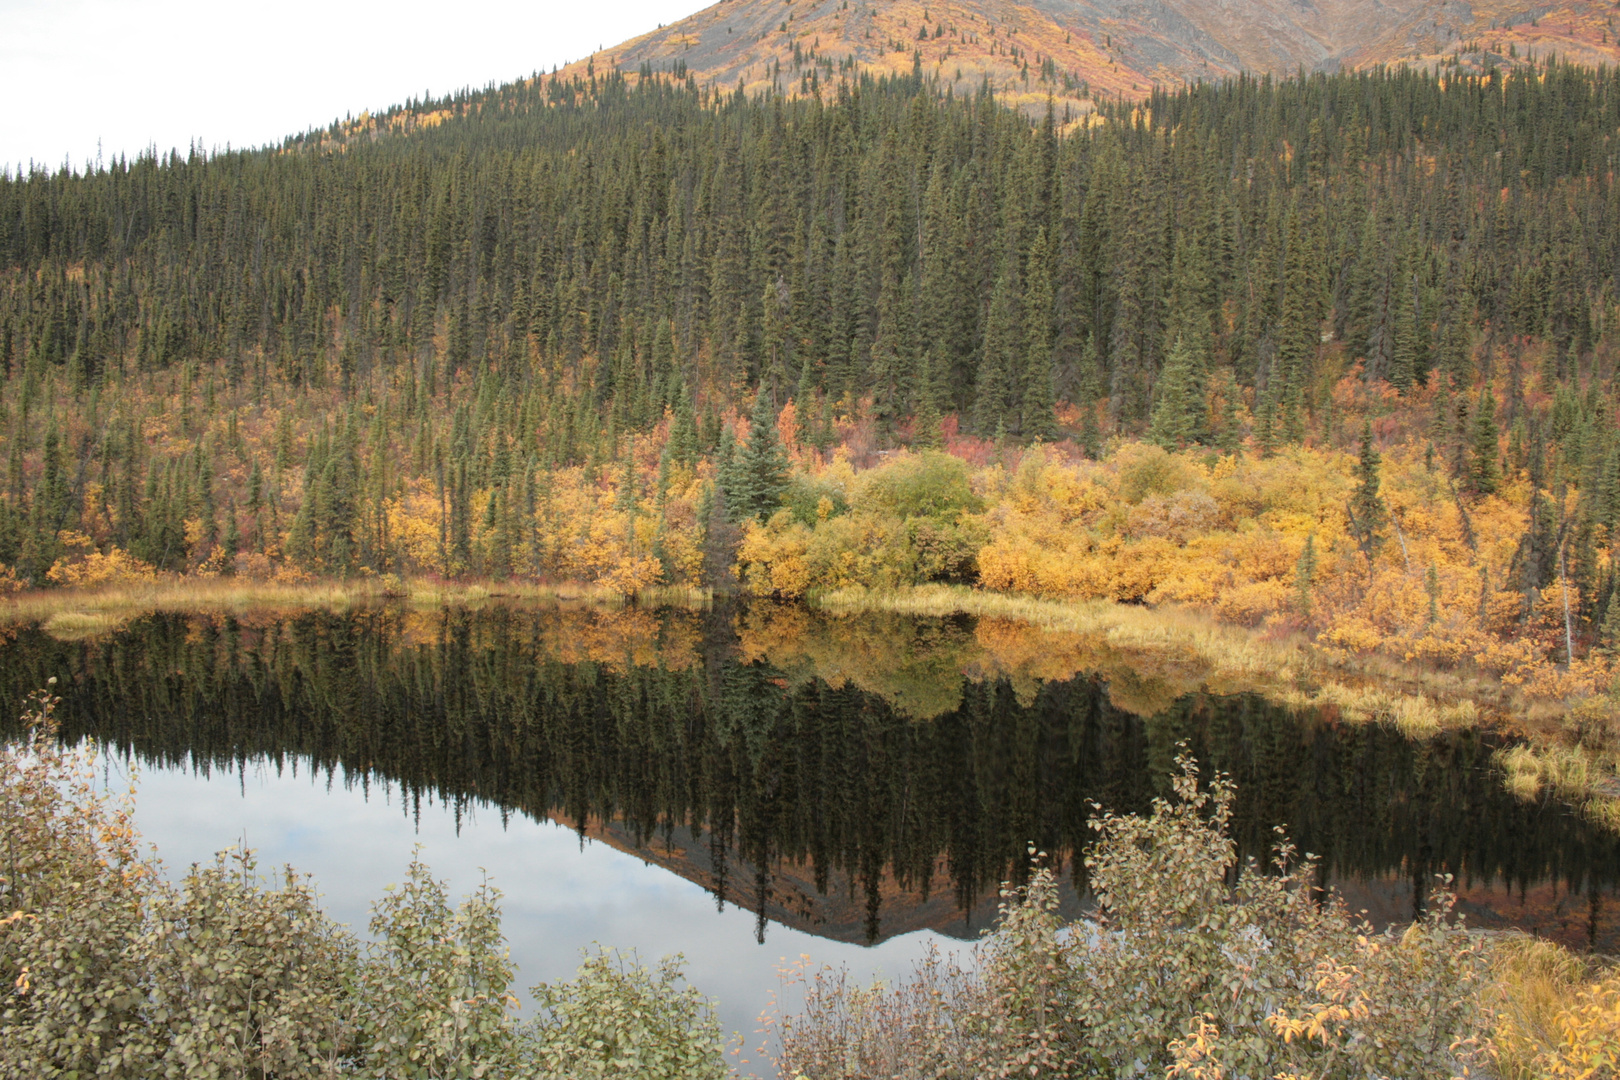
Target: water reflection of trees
869, 751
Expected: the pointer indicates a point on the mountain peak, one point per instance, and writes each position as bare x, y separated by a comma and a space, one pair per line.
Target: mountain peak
1073, 51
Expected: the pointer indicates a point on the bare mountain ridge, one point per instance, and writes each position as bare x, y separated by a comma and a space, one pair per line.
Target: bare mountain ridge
1073, 50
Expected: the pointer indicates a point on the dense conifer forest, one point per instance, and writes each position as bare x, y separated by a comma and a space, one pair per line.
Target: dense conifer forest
603, 329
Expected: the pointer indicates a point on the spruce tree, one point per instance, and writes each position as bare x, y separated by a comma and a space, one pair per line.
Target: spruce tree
1305, 576
683, 434
1609, 630
232, 542
1368, 513
1179, 410
1090, 431
1230, 437
760, 474
889, 365
1484, 470
1403, 370
993, 386
1265, 423
1038, 401
925, 426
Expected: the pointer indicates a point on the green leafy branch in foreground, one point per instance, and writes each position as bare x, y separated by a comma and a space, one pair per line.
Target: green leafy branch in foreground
108, 969
1194, 967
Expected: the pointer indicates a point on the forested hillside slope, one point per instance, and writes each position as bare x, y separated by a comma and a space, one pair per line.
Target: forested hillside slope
1078, 50
607, 329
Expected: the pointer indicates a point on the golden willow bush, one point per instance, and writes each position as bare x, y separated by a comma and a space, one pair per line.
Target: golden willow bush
107, 969
912, 519
84, 566
582, 530
1180, 974
1266, 542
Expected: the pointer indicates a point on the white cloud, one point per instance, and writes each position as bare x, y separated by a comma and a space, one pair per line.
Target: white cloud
129, 74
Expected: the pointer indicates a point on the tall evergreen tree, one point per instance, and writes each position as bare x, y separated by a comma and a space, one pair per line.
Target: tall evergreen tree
998, 363
1180, 412
1368, 512
1038, 399
760, 475
1484, 470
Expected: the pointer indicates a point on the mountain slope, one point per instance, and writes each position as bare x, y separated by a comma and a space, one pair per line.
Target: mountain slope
1072, 50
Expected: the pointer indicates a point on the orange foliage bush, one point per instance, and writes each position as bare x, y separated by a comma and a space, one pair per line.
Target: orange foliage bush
85, 567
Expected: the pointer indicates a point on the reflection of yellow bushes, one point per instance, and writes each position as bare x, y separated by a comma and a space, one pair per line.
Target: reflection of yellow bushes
74, 625
617, 638
918, 664
915, 665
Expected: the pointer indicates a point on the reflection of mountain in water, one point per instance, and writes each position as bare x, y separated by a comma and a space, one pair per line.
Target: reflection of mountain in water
818, 805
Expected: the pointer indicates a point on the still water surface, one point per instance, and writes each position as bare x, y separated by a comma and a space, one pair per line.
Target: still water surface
747, 784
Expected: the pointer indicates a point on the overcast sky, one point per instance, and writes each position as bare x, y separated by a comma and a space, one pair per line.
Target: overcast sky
128, 74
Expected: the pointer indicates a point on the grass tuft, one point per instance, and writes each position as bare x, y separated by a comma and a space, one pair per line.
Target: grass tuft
1557, 1014
77, 625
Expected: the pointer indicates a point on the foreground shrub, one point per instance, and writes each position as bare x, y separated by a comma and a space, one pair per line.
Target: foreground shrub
107, 969
618, 1018
1181, 973
1557, 1014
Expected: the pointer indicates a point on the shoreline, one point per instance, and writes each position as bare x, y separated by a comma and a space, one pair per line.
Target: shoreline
1289, 667
1571, 749
1561, 756
86, 611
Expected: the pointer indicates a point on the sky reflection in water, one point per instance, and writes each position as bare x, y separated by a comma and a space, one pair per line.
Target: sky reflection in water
558, 896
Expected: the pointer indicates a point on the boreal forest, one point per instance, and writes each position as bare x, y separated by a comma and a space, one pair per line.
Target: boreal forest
1327, 353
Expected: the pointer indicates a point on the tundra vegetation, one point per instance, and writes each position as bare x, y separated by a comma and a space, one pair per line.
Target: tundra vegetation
110, 969
1195, 966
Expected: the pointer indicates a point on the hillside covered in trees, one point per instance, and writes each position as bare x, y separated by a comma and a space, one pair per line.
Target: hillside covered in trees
1325, 353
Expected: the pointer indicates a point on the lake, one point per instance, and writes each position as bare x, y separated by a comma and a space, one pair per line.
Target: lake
748, 784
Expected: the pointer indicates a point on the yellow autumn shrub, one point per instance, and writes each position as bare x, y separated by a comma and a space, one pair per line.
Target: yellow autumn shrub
771, 557
1557, 1014
863, 548
415, 520
1252, 603
85, 567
